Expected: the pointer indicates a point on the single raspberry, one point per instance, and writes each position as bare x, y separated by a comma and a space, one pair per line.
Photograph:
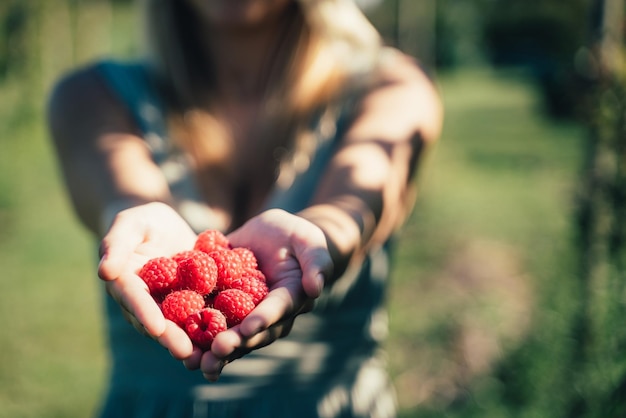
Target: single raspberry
252, 286
180, 256
248, 259
228, 267
160, 275
211, 240
198, 272
204, 325
235, 304
179, 304
256, 273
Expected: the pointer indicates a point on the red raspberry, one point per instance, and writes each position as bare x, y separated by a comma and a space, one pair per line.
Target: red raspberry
211, 240
179, 304
248, 259
235, 304
197, 272
204, 325
256, 273
160, 275
180, 256
228, 267
252, 286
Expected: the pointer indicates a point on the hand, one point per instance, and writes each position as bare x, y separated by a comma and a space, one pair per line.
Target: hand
293, 255
135, 236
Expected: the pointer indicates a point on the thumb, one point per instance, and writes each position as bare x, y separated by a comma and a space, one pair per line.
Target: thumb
317, 269
117, 246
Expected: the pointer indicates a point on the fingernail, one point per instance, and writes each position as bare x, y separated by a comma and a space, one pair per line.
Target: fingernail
319, 282
211, 377
214, 375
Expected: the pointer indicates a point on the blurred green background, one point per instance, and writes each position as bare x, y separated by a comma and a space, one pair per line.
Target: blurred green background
497, 308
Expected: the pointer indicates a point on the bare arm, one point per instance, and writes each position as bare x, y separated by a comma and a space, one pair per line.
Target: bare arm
106, 165
365, 192
363, 196
108, 168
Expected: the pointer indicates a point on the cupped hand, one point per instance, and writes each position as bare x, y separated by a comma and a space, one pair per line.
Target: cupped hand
135, 236
293, 254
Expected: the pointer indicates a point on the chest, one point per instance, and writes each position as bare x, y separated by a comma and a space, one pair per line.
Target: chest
239, 184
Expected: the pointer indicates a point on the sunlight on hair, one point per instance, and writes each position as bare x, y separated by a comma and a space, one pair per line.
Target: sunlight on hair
344, 26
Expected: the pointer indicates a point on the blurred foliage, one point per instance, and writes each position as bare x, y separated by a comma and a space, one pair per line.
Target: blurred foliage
599, 325
52, 357
519, 32
13, 27
542, 37
601, 238
485, 308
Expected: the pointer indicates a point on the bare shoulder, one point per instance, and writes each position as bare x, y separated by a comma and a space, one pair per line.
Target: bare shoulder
77, 92
80, 105
75, 83
412, 93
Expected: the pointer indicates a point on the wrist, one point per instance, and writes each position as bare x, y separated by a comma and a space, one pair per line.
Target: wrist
342, 230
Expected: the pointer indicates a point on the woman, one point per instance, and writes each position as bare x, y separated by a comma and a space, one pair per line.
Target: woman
287, 125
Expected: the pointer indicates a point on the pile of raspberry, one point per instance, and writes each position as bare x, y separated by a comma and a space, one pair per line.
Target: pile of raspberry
208, 289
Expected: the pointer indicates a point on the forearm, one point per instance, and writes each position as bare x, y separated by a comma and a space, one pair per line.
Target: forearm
102, 182
106, 164
363, 210
367, 189
348, 223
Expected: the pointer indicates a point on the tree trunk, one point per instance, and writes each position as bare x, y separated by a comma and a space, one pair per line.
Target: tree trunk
600, 329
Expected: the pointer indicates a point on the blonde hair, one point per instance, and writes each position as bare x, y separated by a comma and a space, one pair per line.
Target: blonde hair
329, 44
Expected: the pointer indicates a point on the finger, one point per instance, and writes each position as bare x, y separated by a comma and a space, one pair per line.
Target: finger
211, 366
317, 267
263, 338
278, 304
315, 262
229, 345
193, 361
131, 293
226, 342
117, 246
176, 341
313, 283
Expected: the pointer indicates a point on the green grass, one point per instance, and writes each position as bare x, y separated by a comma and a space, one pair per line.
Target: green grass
485, 245
52, 359
52, 352
484, 266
